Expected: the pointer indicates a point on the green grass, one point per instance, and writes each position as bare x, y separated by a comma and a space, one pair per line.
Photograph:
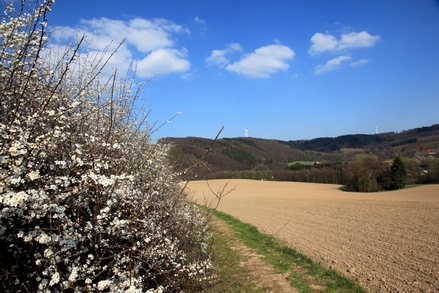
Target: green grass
412, 185
303, 273
232, 277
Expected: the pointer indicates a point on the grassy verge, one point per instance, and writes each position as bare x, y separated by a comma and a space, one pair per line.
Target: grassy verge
412, 185
303, 273
232, 276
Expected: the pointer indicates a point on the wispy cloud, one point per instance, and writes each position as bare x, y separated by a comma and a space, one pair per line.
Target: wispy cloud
359, 62
199, 20
190, 75
331, 64
329, 43
149, 42
218, 57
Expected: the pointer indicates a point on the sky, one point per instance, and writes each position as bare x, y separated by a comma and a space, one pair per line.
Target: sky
282, 69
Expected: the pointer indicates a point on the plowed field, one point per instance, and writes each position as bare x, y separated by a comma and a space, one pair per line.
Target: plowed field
389, 241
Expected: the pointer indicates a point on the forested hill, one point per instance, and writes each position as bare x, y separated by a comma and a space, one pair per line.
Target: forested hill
248, 153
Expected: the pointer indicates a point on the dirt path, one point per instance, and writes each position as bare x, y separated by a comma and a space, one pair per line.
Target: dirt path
388, 241
262, 273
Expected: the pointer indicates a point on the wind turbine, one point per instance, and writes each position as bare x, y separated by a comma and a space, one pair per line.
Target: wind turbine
246, 131
376, 129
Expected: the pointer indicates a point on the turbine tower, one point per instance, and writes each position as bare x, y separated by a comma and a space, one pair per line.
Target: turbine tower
376, 129
246, 131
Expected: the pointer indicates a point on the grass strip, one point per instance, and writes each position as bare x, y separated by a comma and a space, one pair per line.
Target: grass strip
303, 273
412, 185
232, 276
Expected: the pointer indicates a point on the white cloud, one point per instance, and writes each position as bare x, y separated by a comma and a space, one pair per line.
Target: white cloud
331, 64
218, 57
321, 43
149, 41
163, 61
328, 43
263, 62
358, 40
359, 62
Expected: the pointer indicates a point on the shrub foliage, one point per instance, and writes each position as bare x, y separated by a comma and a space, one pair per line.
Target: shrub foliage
87, 201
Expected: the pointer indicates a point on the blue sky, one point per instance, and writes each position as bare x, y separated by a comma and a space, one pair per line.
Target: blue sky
285, 70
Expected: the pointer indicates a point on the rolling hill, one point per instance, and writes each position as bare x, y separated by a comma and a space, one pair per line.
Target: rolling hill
248, 153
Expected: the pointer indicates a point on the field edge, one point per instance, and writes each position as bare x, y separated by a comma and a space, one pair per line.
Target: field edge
302, 272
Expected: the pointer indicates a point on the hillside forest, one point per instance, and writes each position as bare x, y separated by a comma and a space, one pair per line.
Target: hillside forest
360, 162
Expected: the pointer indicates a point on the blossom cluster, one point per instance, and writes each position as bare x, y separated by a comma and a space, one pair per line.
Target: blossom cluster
87, 201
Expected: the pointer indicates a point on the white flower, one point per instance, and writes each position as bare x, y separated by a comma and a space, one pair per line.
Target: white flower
55, 279
14, 181
73, 274
43, 238
104, 284
43, 284
33, 175
17, 149
105, 210
104, 181
63, 164
15, 199
27, 238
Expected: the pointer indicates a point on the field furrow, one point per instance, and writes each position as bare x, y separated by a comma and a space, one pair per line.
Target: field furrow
389, 241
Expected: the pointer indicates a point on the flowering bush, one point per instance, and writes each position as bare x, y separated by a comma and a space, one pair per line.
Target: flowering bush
87, 201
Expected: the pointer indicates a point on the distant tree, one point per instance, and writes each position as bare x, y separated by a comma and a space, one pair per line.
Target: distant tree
237, 175
398, 173
435, 170
385, 180
363, 174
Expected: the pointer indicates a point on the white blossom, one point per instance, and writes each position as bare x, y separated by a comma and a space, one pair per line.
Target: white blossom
43, 238
55, 279
14, 198
84, 192
33, 175
102, 285
74, 274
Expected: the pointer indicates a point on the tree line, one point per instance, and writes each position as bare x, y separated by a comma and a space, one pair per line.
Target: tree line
365, 173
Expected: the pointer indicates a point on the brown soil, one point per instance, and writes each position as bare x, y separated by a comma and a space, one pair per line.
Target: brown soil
389, 241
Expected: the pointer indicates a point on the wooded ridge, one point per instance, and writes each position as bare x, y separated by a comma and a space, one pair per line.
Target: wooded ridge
415, 146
